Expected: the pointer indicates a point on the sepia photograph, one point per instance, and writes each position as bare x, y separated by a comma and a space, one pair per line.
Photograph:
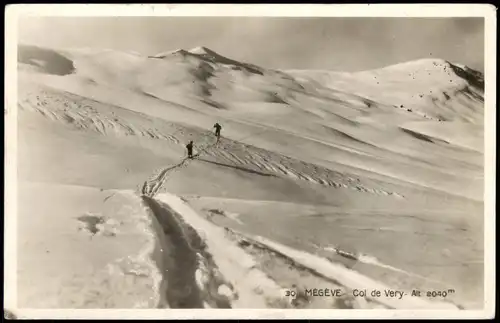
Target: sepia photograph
269, 158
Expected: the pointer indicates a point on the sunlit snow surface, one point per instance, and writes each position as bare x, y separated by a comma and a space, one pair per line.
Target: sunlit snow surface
321, 180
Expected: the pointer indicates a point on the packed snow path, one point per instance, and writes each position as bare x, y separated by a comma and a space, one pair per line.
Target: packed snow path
213, 267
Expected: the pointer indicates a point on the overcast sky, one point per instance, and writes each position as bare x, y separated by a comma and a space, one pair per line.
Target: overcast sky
344, 44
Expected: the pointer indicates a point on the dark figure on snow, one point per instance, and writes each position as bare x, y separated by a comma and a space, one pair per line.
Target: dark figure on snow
217, 127
190, 149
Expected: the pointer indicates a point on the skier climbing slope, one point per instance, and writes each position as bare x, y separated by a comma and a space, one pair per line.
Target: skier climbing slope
189, 147
217, 127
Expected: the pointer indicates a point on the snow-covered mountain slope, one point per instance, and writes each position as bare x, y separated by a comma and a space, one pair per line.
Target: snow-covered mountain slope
435, 89
404, 142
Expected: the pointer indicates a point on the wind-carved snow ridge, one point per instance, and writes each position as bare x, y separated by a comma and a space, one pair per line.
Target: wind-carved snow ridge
86, 114
263, 160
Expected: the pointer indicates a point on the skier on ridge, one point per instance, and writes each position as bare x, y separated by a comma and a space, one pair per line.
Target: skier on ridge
217, 127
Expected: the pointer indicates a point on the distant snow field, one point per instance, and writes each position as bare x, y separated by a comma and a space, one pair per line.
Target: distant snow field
320, 180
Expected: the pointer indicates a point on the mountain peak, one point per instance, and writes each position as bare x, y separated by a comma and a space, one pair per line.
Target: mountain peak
201, 50
418, 64
170, 53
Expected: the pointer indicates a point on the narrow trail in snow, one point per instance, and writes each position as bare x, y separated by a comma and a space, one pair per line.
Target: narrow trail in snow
192, 278
194, 281
152, 186
261, 162
182, 291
